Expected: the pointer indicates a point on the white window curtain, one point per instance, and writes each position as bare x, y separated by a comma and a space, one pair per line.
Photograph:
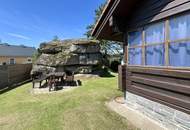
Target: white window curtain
179, 52
155, 33
135, 56
135, 53
180, 28
135, 38
154, 53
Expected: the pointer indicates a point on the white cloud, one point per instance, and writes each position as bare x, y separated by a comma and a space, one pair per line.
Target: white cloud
19, 36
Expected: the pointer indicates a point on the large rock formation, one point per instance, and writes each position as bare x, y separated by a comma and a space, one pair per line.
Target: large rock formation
73, 55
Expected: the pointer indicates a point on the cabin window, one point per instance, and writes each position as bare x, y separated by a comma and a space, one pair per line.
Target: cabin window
154, 44
165, 43
135, 47
179, 46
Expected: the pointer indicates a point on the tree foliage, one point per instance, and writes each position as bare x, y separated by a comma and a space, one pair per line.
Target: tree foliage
55, 38
35, 56
98, 13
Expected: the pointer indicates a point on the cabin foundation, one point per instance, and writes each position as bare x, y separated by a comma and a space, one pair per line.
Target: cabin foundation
166, 116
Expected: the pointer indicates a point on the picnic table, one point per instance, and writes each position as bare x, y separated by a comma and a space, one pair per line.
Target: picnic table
55, 77
39, 80
50, 78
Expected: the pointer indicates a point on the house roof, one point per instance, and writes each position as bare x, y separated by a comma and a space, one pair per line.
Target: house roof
12, 50
119, 8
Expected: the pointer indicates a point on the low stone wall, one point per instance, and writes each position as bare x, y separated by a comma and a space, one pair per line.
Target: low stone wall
166, 116
12, 74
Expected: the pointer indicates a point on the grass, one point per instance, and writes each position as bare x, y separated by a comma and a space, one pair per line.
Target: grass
80, 109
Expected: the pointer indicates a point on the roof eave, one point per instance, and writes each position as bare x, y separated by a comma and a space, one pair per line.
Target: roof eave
107, 12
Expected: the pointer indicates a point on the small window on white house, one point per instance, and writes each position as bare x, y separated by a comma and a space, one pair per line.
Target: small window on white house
135, 47
12, 61
179, 46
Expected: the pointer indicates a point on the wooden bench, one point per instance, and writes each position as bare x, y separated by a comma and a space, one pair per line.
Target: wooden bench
53, 78
39, 80
50, 78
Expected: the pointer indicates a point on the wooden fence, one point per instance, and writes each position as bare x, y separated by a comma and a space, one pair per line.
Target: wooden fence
12, 74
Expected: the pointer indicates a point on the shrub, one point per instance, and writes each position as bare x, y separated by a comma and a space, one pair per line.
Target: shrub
114, 66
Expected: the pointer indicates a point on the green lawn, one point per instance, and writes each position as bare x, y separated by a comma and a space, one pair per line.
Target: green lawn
80, 109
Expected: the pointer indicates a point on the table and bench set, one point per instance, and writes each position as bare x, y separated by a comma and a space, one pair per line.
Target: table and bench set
52, 79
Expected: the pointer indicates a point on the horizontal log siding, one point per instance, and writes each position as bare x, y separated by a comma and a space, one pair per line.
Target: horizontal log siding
152, 10
169, 87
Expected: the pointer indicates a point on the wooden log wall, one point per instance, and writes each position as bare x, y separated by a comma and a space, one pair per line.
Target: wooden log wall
122, 77
153, 10
170, 87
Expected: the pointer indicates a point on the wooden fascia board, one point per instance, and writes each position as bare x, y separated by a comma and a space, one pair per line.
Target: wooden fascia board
97, 33
101, 17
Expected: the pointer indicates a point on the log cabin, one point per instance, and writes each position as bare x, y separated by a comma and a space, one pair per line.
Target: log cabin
155, 77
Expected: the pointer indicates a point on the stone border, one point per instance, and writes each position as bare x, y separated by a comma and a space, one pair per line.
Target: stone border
167, 116
134, 117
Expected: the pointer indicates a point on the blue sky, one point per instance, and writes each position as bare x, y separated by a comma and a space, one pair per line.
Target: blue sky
30, 22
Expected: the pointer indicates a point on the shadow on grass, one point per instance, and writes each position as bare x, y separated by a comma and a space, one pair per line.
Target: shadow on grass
107, 74
60, 85
9, 88
104, 73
